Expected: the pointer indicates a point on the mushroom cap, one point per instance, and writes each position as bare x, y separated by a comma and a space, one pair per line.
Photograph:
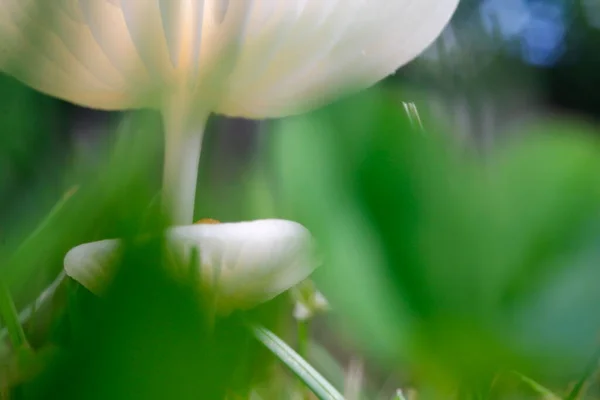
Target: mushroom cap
245, 58
243, 263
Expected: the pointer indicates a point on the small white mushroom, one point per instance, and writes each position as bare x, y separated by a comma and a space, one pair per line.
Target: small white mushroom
243, 263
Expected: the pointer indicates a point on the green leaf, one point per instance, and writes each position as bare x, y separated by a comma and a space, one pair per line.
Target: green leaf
302, 369
460, 266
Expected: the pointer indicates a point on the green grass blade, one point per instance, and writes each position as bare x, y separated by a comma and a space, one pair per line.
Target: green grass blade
578, 389
43, 298
8, 312
536, 387
300, 367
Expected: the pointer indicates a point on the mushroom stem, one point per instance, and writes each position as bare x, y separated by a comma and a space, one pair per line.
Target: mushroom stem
183, 145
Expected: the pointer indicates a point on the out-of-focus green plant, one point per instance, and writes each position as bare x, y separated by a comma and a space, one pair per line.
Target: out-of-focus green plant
149, 336
458, 269
462, 267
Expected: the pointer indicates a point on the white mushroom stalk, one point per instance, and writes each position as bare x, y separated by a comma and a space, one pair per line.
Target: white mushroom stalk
246, 58
191, 58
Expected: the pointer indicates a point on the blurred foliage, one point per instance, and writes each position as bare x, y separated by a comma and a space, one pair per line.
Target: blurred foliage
475, 277
148, 338
459, 266
30, 152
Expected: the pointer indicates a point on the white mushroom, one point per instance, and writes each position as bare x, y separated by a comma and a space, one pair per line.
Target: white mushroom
275, 57
243, 263
191, 58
